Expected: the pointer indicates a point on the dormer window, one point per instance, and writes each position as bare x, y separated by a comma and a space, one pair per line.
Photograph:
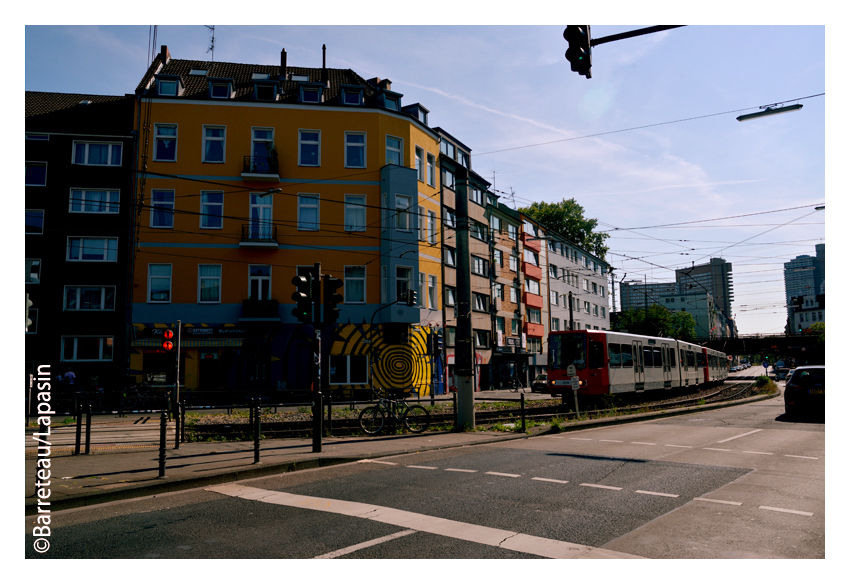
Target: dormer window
418, 112
391, 103
310, 93
351, 95
220, 88
265, 91
166, 88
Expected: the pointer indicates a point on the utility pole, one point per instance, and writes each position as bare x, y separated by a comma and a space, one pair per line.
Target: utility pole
464, 346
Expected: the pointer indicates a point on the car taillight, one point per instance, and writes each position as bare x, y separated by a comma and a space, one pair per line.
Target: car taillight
792, 386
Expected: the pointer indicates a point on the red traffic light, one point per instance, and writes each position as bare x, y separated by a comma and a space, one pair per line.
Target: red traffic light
167, 345
168, 334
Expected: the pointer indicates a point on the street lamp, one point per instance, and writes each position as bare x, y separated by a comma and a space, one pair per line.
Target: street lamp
769, 111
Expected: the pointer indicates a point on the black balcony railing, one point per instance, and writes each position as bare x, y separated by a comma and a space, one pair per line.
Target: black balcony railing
259, 232
260, 165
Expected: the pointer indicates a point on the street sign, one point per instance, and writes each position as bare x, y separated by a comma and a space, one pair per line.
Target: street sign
571, 370
574, 382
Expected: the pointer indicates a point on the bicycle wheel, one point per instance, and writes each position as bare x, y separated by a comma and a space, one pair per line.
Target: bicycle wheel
417, 419
514, 386
372, 420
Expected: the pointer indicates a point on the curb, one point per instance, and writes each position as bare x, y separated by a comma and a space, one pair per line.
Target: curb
167, 485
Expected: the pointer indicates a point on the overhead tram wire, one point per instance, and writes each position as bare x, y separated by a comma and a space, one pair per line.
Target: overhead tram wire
639, 127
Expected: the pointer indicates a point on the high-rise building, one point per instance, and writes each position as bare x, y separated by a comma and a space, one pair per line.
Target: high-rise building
715, 278
805, 280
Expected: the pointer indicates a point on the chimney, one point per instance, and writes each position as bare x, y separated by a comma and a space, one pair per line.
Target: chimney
324, 65
164, 55
282, 75
385, 84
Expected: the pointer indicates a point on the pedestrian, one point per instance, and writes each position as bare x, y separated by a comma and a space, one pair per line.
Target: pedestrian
69, 379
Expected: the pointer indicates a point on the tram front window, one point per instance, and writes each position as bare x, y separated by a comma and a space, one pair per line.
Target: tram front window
566, 350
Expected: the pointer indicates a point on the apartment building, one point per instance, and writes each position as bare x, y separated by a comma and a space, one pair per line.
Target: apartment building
251, 175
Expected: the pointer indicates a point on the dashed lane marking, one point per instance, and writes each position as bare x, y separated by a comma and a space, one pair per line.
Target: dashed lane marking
425, 467
365, 544
591, 439
738, 436
756, 452
499, 538
379, 462
718, 449
460, 470
678, 446
503, 474
716, 501
806, 457
610, 440
549, 480
806, 513
645, 443
658, 494
601, 486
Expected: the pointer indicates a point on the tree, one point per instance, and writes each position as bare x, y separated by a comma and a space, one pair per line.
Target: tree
567, 220
819, 328
657, 321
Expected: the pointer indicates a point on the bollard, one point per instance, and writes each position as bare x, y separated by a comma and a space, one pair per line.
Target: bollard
317, 421
88, 427
78, 412
163, 422
257, 428
183, 421
330, 427
522, 409
454, 408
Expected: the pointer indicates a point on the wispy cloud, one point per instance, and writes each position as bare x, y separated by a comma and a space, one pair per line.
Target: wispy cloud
680, 186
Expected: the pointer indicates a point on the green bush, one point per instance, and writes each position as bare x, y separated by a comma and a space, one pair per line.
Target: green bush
762, 380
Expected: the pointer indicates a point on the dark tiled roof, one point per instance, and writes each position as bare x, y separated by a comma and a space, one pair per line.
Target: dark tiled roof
63, 112
196, 86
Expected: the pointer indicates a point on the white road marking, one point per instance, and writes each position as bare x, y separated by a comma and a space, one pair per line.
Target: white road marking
365, 544
716, 501
756, 452
806, 513
503, 474
425, 467
645, 443
678, 446
501, 538
379, 462
738, 436
797, 456
548, 480
460, 470
601, 486
718, 449
658, 494
601, 440
581, 438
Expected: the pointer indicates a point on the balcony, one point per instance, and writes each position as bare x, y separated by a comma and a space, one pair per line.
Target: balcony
532, 300
532, 330
259, 235
530, 241
259, 311
261, 168
532, 271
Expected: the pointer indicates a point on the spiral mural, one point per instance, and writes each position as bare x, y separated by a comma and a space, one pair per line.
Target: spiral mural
398, 354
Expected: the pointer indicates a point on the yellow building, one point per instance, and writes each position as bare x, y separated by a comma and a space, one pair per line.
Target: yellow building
250, 175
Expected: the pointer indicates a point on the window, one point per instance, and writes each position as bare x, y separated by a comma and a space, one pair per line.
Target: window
476, 196
532, 286
449, 217
447, 148
514, 295
595, 310
513, 262
260, 217
394, 155
420, 164
159, 282
165, 142
448, 179
450, 336
87, 348
482, 339
33, 271
432, 170
308, 212
36, 174
535, 345
214, 138
449, 257
310, 94
593, 287
556, 324
89, 297
423, 232
421, 300
587, 307
92, 249
449, 296
495, 223
602, 311
212, 209
498, 290
262, 148
97, 153
355, 284
463, 158
308, 148
209, 283
512, 232
432, 227
86, 201
403, 219
265, 91
162, 209
166, 87
531, 257
391, 103
259, 282
553, 298
480, 266
355, 150
220, 90
355, 213
34, 222
478, 230
348, 369
352, 96
584, 284
403, 282
498, 257
481, 302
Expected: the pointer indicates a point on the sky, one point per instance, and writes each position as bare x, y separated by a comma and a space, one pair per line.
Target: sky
650, 140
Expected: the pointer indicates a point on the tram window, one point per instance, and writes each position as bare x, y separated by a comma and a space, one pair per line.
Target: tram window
647, 356
656, 357
682, 361
691, 360
701, 360
626, 355
673, 357
614, 355
596, 358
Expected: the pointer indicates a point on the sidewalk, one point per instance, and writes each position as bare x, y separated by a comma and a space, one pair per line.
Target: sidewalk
125, 471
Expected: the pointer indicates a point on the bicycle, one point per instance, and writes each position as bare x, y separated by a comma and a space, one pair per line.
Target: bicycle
514, 385
414, 417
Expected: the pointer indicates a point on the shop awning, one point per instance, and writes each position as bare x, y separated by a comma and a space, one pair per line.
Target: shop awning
189, 343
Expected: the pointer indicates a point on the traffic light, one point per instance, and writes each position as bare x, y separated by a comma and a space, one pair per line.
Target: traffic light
331, 299
302, 296
578, 54
27, 315
411, 297
167, 335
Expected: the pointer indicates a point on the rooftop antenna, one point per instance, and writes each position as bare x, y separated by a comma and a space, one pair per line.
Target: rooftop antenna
212, 42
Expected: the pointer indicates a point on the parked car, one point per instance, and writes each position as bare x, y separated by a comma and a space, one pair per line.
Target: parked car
780, 370
805, 391
539, 384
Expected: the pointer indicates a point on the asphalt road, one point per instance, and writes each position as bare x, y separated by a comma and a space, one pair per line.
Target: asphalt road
738, 482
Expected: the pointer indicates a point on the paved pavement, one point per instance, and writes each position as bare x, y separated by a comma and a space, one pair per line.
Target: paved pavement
131, 469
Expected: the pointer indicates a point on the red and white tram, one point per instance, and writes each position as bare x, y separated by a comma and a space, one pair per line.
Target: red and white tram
608, 362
